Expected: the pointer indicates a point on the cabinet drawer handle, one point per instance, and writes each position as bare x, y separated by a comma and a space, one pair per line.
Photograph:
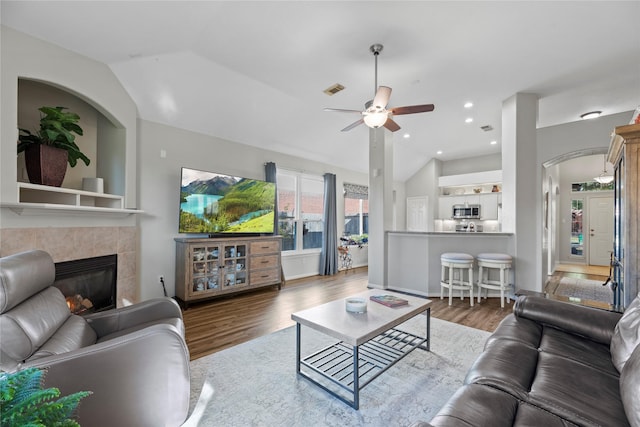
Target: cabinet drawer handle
264, 262
265, 275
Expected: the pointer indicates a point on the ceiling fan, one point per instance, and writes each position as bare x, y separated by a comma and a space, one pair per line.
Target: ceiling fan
375, 112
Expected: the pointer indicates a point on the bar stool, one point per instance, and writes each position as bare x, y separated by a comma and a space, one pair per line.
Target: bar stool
487, 261
451, 261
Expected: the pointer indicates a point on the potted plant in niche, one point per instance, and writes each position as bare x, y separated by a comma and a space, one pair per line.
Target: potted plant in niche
48, 151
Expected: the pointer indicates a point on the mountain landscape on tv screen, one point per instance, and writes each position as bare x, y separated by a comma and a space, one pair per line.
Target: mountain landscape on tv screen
226, 204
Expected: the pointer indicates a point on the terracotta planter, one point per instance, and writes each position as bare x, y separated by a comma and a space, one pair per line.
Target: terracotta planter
46, 165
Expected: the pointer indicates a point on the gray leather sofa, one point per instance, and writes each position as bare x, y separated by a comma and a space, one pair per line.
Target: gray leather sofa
553, 364
133, 359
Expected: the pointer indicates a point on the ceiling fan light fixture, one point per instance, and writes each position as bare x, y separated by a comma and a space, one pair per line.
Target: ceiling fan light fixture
375, 119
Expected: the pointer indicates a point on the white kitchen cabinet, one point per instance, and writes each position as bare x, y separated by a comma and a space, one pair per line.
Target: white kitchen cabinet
489, 206
445, 205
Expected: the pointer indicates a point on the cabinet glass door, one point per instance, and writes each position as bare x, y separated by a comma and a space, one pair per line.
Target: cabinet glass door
205, 274
235, 266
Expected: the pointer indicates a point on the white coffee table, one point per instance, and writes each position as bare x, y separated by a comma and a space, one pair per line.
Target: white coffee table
369, 343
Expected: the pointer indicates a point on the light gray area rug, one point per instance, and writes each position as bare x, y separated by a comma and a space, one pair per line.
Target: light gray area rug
584, 289
255, 383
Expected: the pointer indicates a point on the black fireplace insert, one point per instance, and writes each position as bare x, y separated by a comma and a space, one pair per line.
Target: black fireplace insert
88, 285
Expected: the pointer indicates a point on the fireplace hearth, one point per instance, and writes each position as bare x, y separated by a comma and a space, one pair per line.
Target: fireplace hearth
88, 285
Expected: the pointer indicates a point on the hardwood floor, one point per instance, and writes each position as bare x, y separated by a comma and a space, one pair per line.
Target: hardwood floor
218, 324
590, 272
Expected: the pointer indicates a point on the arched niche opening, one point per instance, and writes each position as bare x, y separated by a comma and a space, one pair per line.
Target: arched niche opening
103, 141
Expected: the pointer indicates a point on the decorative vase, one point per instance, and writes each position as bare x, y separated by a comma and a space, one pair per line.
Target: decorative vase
46, 165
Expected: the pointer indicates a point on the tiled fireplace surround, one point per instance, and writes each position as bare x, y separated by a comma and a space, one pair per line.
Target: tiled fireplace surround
71, 243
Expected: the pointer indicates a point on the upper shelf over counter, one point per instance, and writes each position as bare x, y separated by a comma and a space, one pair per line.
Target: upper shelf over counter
476, 178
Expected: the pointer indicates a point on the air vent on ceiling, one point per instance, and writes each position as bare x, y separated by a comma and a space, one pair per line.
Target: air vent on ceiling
486, 128
333, 89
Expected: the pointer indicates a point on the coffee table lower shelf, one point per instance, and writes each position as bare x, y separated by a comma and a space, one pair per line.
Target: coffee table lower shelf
351, 368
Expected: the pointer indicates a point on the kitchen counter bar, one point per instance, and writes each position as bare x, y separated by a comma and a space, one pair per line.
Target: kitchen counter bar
413, 260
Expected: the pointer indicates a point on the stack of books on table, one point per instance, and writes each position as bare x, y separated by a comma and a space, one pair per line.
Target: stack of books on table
389, 300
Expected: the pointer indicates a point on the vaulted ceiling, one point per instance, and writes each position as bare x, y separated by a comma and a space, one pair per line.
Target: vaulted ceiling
254, 72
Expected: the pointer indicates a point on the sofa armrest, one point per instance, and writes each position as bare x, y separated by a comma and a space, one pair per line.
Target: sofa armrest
592, 323
108, 322
141, 378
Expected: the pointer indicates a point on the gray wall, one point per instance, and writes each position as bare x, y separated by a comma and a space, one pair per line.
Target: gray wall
159, 182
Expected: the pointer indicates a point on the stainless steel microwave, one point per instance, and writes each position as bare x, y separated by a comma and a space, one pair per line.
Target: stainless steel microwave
466, 212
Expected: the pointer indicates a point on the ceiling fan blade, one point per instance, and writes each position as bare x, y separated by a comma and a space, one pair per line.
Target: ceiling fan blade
412, 109
352, 125
391, 125
340, 110
382, 97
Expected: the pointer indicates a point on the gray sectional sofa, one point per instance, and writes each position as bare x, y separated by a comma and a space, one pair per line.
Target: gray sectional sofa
552, 364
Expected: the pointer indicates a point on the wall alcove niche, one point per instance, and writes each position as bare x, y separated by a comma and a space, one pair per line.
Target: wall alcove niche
102, 141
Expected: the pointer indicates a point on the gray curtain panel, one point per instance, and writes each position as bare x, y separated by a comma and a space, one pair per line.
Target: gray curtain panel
329, 256
270, 176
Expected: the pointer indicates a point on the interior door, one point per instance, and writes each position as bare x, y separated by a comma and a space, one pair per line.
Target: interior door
600, 230
417, 217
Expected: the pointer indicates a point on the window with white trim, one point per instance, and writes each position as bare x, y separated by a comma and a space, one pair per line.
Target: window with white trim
300, 210
356, 209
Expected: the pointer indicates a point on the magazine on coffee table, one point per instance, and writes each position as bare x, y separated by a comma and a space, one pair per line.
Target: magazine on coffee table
389, 300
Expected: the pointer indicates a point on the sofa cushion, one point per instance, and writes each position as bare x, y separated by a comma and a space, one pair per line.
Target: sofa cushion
25, 328
630, 387
626, 335
561, 373
591, 323
480, 406
518, 329
577, 392
573, 347
23, 275
75, 333
506, 365
176, 322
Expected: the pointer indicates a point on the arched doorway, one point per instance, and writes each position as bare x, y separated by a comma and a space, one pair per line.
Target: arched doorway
573, 215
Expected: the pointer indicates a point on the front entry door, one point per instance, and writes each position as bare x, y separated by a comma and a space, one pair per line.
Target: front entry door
600, 230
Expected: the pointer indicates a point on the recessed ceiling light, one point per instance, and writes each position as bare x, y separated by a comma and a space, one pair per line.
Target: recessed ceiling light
439, 152
468, 104
590, 115
493, 142
406, 136
468, 120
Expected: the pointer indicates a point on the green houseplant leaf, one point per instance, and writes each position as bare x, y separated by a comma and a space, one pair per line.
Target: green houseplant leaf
23, 401
58, 128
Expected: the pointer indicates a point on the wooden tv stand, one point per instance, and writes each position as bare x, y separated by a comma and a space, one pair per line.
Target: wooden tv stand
211, 267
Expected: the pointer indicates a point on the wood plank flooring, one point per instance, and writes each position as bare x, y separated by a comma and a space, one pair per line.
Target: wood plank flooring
218, 324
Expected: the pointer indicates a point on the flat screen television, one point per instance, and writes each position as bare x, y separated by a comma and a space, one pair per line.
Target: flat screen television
215, 203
